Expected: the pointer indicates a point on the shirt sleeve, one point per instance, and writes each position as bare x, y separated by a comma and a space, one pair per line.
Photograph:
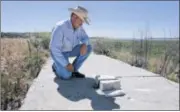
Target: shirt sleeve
84, 38
56, 46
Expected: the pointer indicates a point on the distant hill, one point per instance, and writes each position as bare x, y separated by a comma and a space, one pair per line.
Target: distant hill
23, 35
123, 38
45, 34
13, 35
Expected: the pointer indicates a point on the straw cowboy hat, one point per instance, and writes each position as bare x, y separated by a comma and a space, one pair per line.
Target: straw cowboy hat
81, 12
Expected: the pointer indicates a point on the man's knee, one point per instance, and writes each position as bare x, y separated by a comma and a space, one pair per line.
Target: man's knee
66, 74
63, 73
66, 77
89, 49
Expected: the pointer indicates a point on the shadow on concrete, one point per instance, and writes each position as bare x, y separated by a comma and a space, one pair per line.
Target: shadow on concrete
78, 89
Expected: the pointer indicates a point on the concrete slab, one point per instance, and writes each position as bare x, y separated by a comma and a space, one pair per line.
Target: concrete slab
144, 90
103, 65
149, 93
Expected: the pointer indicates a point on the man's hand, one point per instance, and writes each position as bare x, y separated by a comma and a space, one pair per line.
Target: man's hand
70, 67
83, 49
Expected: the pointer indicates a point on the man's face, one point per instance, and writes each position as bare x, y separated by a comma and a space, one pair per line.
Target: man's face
76, 21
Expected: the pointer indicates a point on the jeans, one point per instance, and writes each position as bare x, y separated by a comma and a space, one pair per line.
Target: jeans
61, 71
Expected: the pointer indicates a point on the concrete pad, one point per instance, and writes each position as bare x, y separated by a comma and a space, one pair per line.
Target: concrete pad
144, 90
102, 65
149, 93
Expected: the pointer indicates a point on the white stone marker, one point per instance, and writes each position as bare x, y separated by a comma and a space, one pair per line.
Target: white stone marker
109, 86
105, 82
106, 85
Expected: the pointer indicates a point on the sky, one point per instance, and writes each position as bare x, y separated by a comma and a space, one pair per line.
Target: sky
114, 19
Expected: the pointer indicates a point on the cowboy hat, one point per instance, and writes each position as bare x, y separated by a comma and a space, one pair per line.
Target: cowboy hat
81, 12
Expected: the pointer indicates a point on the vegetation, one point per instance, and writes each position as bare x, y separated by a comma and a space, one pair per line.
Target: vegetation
23, 54
156, 55
21, 61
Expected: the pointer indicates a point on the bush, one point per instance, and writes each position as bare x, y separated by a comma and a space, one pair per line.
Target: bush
45, 42
21, 63
158, 56
99, 47
174, 77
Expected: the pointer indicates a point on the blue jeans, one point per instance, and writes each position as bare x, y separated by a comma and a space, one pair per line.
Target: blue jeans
61, 71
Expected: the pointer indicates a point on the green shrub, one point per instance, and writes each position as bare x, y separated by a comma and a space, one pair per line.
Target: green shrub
141, 53
45, 42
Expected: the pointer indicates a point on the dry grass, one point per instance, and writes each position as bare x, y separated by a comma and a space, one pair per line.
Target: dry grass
123, 56
159, 60
14, 52
16, 70
154, 64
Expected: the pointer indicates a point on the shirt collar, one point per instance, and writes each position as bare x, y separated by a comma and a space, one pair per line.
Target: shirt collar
70, 25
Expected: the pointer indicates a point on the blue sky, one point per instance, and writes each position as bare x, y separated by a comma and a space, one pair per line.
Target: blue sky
119, 19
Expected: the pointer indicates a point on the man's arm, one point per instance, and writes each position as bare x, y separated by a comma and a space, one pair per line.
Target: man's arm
84, 38
56, 46
85, 41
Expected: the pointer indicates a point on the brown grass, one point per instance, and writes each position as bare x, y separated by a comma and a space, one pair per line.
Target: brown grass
158, 59
16, 70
